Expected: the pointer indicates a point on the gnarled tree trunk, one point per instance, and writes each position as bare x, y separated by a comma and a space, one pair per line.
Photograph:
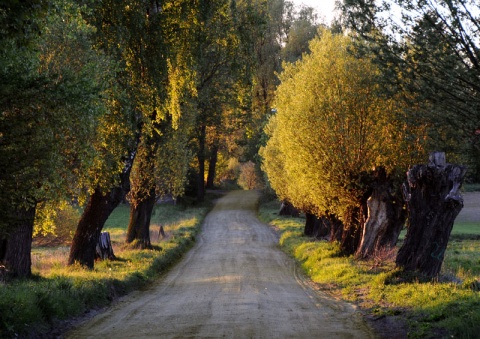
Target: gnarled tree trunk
99, 207
336, 228
433, 201
385, 219
139, 225
95, 214
18, 246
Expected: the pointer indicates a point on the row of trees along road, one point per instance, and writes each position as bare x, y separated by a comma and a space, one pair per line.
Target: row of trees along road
362, 108
334, 125
102, 100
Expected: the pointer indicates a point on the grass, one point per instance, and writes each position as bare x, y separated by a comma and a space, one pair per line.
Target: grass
449, 306
59, 292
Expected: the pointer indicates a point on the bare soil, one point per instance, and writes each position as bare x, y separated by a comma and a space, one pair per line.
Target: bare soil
235, 283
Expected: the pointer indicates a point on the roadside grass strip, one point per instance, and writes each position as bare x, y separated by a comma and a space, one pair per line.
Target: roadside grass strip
449, 306
58, 292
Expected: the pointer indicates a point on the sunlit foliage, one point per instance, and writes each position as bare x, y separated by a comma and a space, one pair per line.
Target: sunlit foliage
333, 126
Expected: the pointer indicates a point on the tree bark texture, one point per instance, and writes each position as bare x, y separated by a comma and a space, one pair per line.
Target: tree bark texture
95, 214
104, 249
212, 167
18, 246
139, 224
385, 218
433, 202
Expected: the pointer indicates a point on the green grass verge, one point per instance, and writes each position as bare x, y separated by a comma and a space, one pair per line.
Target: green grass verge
30, 308
448, 307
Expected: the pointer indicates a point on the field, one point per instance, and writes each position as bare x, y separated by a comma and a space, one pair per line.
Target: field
398, 305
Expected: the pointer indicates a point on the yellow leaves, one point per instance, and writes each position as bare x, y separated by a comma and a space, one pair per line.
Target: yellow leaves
181, 85
333, 122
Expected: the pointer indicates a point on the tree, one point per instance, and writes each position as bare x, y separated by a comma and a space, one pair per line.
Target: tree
430, 219
432, 49
219, 70
302, 30
248, 179
173, 82
118, 34
49, 117
334, 123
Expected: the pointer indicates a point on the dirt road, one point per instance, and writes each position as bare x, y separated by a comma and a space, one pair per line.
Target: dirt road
234, 283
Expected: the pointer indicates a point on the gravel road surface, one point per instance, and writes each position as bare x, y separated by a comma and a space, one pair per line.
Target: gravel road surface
234, 283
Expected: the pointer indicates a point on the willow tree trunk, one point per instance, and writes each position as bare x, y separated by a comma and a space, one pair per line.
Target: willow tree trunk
316, 227
99, 207
212, 167
95, 214
336, 228
385, 219
352, 229
138, 231
143, 191
433, 202
18, 246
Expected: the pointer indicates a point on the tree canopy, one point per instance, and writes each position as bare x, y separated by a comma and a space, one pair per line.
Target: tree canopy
429, 48
334, 124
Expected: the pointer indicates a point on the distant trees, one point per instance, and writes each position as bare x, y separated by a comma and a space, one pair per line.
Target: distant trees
429, 49
248, 178
335, 128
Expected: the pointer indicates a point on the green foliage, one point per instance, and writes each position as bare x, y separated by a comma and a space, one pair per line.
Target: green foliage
334, 124
57, 219
49, 113
451, 304
430, 50
302, 30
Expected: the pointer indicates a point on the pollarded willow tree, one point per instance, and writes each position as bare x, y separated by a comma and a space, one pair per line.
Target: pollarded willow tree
337, 138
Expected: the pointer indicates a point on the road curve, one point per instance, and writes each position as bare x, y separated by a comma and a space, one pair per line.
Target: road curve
234, 283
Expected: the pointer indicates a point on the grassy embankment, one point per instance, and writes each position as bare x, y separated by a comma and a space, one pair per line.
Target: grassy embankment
59, 292
449, 306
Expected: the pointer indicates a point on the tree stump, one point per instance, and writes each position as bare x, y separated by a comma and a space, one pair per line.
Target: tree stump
104, 249
433, 202
288, 209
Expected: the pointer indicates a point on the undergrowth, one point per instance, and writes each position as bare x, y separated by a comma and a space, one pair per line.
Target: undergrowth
449, 306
